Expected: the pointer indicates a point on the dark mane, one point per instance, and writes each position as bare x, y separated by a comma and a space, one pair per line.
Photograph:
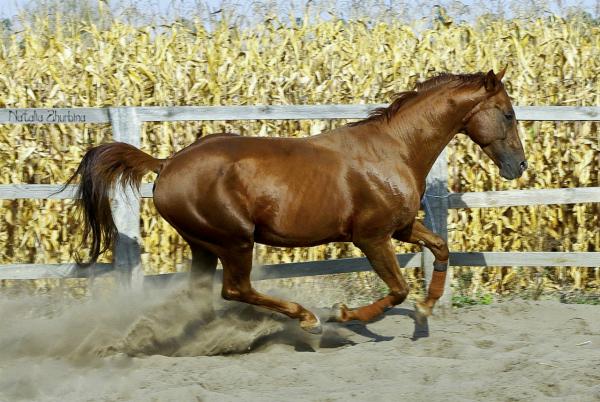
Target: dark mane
386, 113
454, 80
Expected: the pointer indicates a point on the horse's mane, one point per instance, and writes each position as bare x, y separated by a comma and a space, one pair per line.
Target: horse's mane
400, 99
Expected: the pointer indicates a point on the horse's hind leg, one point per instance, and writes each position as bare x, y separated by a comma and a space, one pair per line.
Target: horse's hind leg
204, 265
237, 264
419, 234
380, 254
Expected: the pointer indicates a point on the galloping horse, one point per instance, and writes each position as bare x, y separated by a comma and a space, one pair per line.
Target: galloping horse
361, 183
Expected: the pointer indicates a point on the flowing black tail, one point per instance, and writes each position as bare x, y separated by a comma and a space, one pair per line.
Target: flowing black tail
101, 169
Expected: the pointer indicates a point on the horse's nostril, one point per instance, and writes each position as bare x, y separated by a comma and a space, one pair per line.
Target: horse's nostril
523, 165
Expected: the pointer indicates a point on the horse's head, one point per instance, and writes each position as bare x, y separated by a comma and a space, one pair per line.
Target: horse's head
492, 125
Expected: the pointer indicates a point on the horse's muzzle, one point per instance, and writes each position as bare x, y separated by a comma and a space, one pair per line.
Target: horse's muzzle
511, 171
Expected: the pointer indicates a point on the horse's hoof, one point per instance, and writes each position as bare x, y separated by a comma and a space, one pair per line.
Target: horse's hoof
314, 328
339, 313
422, 312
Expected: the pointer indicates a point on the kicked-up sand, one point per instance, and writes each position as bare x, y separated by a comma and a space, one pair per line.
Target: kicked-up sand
165, 346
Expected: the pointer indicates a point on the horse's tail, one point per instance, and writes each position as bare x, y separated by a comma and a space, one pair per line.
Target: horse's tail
101, 169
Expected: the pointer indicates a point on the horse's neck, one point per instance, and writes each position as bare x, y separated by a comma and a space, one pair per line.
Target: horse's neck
426, 127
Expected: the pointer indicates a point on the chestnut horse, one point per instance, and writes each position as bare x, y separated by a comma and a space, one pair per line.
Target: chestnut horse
361, 183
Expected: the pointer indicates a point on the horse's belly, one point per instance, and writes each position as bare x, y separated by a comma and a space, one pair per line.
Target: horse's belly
299, 238
295, 219
302, 209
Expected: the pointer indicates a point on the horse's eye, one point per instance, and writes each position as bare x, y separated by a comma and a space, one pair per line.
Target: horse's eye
509, 116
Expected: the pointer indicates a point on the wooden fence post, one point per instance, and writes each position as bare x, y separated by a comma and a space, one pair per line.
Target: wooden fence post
126, 127
436, 218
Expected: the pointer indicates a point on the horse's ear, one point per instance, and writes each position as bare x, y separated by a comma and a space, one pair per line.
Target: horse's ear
500, 75
491, 82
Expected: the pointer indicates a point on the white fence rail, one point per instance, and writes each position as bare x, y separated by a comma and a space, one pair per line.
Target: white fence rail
127, 123
282, 112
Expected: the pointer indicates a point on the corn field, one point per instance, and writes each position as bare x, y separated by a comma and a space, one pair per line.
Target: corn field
551, 61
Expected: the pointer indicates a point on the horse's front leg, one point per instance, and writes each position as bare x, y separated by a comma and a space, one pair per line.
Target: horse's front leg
419, 234
380, 253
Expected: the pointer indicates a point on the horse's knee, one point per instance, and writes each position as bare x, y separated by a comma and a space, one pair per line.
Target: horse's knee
440, 250
399, 295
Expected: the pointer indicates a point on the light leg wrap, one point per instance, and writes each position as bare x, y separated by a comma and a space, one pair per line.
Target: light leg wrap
436, 286
366, 313
435, 291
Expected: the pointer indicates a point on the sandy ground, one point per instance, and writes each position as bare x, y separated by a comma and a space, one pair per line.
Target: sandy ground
154, 347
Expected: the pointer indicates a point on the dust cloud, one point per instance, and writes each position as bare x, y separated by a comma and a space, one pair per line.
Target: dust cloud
176, 322
44, 339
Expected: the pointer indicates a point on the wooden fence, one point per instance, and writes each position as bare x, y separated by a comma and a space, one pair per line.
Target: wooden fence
127, 123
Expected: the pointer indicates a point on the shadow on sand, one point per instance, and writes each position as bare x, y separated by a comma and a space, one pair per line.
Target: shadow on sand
421, 329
